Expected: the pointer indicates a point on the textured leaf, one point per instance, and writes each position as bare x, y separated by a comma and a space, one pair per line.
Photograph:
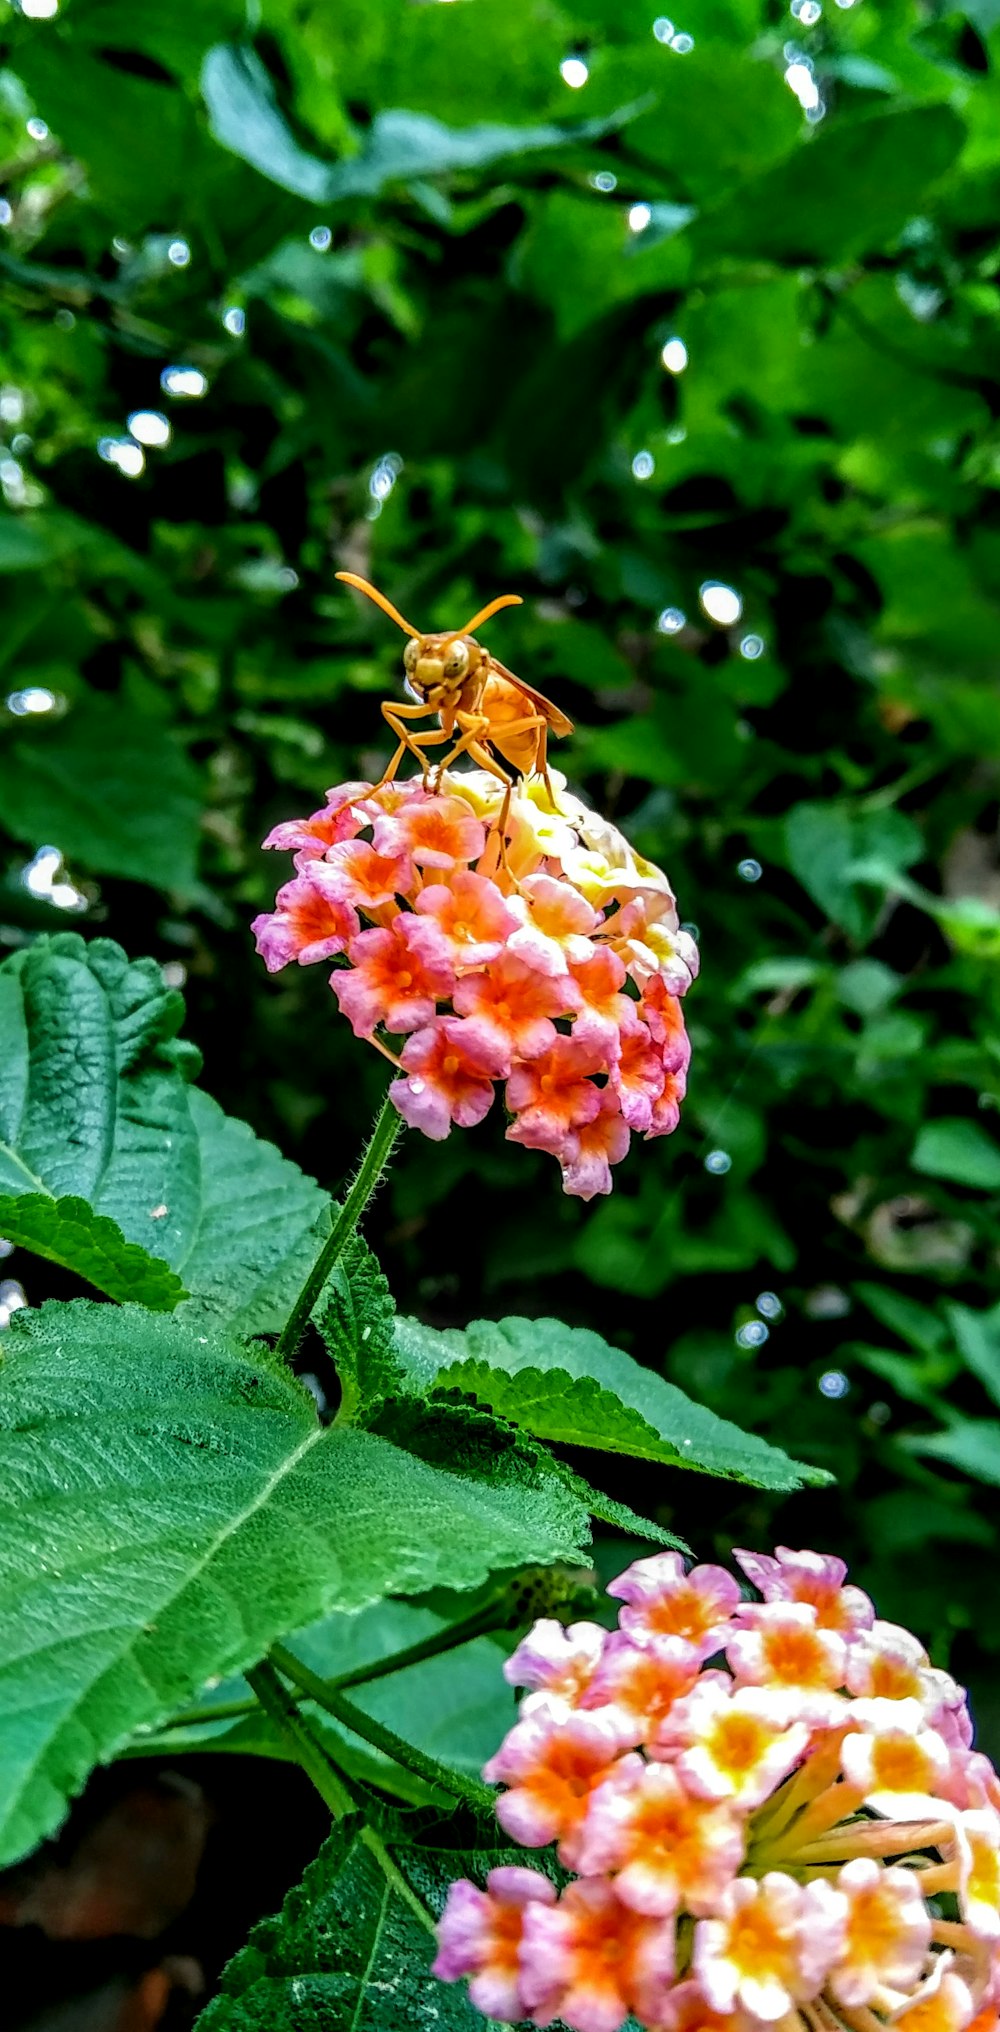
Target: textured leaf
960, 1151
357, 1320
351, 1948
113, 790
256, 1228
68, 1232
400, 145
95, 1105
568, 1384
171, 1505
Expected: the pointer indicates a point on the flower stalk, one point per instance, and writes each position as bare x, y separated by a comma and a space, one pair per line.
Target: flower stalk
375, 1158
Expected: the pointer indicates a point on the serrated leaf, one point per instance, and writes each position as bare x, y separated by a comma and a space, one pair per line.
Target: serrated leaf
356, 1318
399, 145
351, 1949
569, 1385
171, 1505
95, 1105
68, 1232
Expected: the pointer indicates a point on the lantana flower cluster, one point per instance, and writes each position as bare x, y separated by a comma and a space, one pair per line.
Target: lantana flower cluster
548, 958
773, 1810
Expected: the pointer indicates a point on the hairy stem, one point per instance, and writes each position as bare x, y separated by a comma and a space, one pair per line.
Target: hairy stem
375, 1157
493, 1616
441, 1776
276, 1701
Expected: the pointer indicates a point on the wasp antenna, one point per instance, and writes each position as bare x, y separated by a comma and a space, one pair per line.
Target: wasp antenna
362, 586
505, 600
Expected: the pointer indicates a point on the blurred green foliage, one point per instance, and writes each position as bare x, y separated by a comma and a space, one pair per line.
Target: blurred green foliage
401, 294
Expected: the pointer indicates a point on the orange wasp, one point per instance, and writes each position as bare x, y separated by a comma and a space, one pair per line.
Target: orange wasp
481, 706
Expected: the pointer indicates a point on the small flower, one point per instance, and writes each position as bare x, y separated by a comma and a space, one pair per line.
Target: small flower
480, 1932
556, 1664
886, 1936
770, 1946
553, 1095
604, 1014
551, 1766
589, 1151
891, 1762
466, 922
512, 1006
310, 838
978, 1837
308, 925
812, 1577
733, 1742
638, 1078
388, 983
782, 1644
554, 925
446, 1078
663, 1600
643, 1681
436, 832
589, 1960
354, 873
663, 1847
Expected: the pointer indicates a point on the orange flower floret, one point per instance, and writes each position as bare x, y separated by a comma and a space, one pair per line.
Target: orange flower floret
887, 1932
663, 1847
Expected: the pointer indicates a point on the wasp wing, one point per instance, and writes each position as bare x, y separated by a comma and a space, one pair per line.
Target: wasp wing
559, 721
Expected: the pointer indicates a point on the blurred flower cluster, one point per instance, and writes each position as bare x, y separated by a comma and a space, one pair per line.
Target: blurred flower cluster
514, 939
773, 1809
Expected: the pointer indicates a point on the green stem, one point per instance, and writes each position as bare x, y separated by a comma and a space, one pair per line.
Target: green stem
492, 1617
219, 1711
276, 1701
448, 1639
396, 1747
375, 1157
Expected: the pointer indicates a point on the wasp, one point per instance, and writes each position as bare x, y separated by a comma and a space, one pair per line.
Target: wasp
483, 709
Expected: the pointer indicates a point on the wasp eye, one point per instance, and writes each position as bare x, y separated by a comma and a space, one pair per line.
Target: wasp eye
457, 660
411, 654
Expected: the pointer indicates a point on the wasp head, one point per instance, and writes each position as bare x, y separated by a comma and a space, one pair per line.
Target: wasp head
440, 663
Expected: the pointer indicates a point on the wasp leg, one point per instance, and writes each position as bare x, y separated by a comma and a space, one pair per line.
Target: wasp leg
413, 744
475, 727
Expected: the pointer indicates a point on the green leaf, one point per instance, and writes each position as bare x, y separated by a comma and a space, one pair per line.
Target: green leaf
567, 1384
255, 1229
455, 1706
914, 1323
351, 1949
113, 790
827, 846
356, 1317
960, 1151
400, 145
68, 1232
95, 1106
172, 1505
853, 185
978, 1337
972, 1446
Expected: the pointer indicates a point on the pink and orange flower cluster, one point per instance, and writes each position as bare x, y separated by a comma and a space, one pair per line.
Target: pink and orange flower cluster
773, 1810
551, 960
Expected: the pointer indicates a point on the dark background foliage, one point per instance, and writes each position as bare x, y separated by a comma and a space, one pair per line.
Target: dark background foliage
428, 345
